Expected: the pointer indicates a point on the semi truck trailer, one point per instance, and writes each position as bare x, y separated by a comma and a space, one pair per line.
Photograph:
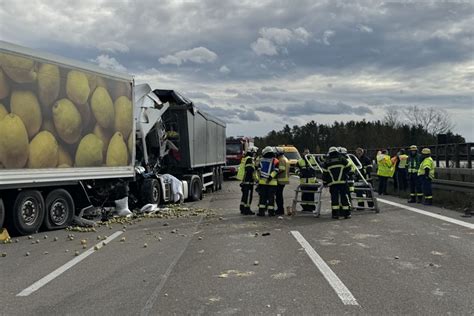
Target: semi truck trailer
76, 137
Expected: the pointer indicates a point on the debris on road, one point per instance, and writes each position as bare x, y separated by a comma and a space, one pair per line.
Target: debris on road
45, 253
266, 234
145, 245
55, 238
27, 253
45, 237
76, 253
83, 241
280, 217
122, 239
256, 263
199, 238
4, 254
396, 257
96, 248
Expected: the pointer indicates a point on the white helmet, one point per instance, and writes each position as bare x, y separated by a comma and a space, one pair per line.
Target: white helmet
343, 150
267, 150
332, 149
279, 151
252, 149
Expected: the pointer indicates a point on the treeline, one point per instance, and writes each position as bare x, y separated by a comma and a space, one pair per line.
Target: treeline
319, 137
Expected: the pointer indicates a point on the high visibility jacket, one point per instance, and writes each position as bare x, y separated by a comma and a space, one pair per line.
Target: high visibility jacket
246, 172
427, 163
268, 171
307, 174
336, 170
403, 161
413, 163
385, 167
284, 170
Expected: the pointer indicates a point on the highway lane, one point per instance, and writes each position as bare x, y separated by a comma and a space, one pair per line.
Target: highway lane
394, 262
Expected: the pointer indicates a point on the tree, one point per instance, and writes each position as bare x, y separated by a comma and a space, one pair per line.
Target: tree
392, 117
435, 121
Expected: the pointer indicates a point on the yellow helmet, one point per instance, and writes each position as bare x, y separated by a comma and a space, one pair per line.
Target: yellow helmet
413, 147
426, 151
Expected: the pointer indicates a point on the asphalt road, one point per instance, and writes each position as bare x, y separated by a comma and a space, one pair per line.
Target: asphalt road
396, 262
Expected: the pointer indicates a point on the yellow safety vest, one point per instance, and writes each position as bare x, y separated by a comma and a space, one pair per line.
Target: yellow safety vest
385, 168
244, 163
427, 163
403, 161
284, 167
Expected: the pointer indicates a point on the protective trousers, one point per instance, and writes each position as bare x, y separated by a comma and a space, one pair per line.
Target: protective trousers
267, 199
307, 198
427, 189
247, 195
339, 201
415, 187
382, 185
279, 200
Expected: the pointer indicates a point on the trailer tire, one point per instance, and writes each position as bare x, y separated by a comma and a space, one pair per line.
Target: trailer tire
2, 213
28, 212
60, 210
196, 189
150, 192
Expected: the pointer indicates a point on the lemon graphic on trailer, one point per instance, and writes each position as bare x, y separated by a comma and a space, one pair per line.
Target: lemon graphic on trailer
103, 107
123, 116
48, 85
117, 154
14, 147
43, 151
77, 87
89, 152
25, 104
19, 69
67, 121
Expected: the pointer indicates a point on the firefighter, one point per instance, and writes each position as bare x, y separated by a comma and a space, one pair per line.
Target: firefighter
246, 174
413, 163
366, 172
307, 181
352, 175
283, 179
267, 182
384, 171
426, 174
335, 171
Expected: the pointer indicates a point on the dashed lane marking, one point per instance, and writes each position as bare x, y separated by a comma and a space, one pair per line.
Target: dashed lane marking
50, 277
437, 216
341, 290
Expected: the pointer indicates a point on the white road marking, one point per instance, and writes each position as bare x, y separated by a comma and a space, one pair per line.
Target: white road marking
48, 278
341, 290
154, 296
437, 216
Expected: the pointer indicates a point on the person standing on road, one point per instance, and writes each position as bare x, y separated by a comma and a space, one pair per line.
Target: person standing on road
267, 182
413, 163
366, 172
307, 181
426, 173
283, 179
384, 171
401, 170
335, 171
246, 174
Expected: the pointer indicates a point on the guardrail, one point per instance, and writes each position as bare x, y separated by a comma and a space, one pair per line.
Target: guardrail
445, 155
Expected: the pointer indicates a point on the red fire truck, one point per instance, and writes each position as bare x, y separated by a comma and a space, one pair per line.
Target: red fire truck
235, 150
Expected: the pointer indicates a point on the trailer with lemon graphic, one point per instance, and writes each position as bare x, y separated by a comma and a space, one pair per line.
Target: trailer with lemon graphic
61, 121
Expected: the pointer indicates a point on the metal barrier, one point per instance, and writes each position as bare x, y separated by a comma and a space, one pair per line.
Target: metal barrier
446, 155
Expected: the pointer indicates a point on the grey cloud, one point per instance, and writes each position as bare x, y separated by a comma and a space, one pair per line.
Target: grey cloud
113, 47
316, 107
249, 115
199, 55
272, 89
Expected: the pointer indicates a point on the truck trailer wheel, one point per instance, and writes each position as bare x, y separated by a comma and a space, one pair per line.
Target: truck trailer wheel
2, 213
28, 212
59, 209
196, 189
151, 193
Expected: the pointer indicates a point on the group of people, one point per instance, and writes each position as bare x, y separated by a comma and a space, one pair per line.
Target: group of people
271, 172
415, 168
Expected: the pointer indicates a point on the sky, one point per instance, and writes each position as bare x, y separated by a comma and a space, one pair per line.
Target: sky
259, 65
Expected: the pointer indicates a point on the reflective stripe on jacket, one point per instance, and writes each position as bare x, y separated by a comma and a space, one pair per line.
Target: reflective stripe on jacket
268, 168
307, 174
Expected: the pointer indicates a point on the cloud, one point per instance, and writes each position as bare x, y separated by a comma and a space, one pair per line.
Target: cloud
264, 46
327, 35
224, 69
199, 55
249, 115
272, 89
273, 39
364, 28
113, 47
308, 108
105, 61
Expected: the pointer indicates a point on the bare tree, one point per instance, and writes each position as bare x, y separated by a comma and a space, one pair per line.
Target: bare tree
392, 117
434, 120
